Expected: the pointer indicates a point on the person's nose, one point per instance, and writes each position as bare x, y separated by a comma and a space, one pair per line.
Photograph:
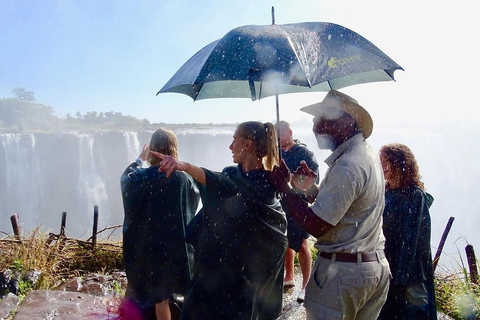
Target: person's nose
318, 127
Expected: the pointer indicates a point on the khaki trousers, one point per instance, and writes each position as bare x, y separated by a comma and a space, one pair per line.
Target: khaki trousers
346, 290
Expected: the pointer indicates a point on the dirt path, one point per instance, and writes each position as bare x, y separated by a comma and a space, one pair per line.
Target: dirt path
292, 310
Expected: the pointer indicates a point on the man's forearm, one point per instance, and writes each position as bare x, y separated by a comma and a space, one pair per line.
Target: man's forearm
303, 214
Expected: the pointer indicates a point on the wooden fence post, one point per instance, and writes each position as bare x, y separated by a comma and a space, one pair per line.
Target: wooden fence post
95, 227
442, 242
15, 226
472, 263
64, 222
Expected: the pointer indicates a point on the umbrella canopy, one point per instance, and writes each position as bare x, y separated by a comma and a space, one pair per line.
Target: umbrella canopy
260, 61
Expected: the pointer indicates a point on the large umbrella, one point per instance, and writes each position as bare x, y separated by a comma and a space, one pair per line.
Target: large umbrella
259, 61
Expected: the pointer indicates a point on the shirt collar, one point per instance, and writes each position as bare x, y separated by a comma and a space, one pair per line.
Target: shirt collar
344, 146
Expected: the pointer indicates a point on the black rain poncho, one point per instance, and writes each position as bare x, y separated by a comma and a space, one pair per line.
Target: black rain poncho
240, 242
407, 230
158, 262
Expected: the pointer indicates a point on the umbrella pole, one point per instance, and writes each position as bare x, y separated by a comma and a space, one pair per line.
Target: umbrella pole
278, 128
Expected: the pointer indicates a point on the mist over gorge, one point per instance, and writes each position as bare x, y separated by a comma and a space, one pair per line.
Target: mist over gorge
45, 174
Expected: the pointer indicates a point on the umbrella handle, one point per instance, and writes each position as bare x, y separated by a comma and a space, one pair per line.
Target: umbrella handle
278, 129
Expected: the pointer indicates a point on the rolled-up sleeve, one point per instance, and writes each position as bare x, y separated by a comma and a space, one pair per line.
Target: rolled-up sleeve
336, 194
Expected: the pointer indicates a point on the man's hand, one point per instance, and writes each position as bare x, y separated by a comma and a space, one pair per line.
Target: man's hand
303, 177
280, 177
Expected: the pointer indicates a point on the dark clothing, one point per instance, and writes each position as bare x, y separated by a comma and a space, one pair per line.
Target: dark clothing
407, 229
158, 262
296, 154
240, 249
295, 232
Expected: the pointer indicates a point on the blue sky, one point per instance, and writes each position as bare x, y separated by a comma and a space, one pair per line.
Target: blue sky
114, 55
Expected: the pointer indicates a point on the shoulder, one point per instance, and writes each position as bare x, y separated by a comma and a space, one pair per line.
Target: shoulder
300, 152
422, 196
230, 170
133, 172
301, 147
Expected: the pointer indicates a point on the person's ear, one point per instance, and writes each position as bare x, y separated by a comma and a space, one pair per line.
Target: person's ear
248, 144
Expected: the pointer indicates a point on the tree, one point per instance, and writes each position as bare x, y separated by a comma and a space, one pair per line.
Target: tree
24, 95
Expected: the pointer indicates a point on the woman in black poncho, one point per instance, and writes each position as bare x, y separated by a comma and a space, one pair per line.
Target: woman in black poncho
240, 250
407, 229
158, 262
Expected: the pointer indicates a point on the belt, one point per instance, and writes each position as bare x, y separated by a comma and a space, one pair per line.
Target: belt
353, 257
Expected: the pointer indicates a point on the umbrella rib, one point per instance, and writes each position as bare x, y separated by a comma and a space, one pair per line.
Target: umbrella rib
329, 85
200, 85
290, 42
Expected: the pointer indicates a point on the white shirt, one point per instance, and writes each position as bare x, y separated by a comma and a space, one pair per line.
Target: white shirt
352, 198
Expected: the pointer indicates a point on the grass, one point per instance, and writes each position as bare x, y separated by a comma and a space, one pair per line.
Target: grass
57, 258
458, 296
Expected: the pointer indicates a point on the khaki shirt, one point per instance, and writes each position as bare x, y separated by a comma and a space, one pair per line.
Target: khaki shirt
352, 198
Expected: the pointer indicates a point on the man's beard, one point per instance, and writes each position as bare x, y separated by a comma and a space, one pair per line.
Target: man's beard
325, 141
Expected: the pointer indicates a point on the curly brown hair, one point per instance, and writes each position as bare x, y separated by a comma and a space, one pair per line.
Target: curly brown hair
403, 164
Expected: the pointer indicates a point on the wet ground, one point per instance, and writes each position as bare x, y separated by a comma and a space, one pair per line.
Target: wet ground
292, 310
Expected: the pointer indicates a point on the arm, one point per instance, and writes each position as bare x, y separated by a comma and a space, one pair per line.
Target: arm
299, 209
303, 179
169, 164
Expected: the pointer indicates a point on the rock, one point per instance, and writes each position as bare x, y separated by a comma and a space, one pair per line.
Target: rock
7, 304
74, 284
64, 305
97, 284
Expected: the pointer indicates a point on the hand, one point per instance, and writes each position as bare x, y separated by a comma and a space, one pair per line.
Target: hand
280, 177
303, 177
168, 164
144, 154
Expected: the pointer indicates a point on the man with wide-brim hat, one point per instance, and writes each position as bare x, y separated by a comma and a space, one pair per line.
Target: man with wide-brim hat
350, 277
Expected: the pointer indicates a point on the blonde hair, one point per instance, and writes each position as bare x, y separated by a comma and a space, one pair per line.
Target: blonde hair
264, 138
163, 141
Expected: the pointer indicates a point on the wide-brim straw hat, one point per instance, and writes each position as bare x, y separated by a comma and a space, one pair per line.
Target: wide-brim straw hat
347, 104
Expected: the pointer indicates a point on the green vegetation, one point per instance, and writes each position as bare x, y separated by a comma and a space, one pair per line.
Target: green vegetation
457, 296
57, 258
22, 114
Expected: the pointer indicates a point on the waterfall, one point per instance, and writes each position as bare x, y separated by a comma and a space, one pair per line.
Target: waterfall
45, 174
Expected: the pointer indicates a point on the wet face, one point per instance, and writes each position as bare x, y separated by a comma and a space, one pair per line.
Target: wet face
285, 137
239, 148
330, 132
323, 129
386, 166
391, 179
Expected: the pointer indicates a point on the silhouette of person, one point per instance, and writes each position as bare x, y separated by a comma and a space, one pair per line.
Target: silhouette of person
242, 239
407, 229
293, 152
158, 262
350, 276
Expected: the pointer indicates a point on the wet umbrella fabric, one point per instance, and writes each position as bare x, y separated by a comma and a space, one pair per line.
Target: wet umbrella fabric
260, 61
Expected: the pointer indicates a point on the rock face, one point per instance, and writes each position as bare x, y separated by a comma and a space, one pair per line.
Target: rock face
88, 297
7, 304
96, 284
62, 305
